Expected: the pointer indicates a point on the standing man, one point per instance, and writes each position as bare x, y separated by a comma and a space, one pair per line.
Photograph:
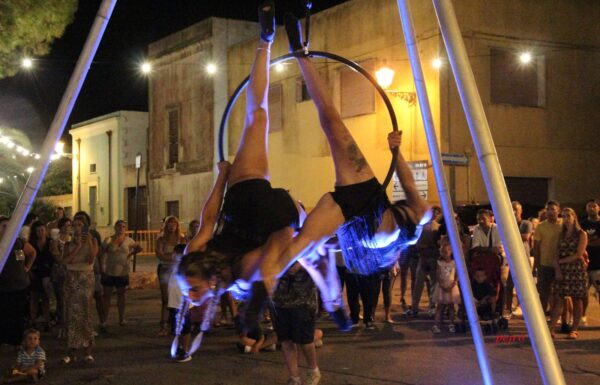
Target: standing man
428, 252
546, 237
591, 225
526, 230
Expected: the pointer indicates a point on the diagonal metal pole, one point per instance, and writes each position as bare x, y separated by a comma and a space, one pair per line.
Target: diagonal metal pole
535, 319
442, 186
56, 128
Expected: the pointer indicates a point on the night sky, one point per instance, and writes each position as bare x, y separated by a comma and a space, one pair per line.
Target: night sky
29, 100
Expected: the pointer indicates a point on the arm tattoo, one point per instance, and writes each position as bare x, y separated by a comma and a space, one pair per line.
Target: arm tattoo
356, 157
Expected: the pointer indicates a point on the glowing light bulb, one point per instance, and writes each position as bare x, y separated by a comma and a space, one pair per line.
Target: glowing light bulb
279, 67
436, 63
27, 63
525, 57
384, 76
211, 68
146, 68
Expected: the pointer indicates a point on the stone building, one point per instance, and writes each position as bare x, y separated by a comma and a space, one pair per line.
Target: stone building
187, 97
543, 114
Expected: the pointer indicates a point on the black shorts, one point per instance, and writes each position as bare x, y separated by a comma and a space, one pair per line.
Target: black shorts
112, 281
359, 198
294, 324
252, 211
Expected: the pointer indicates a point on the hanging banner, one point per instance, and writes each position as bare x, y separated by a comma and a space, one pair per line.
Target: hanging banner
419, 171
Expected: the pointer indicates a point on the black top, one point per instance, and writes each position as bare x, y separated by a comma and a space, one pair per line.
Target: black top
482, 290
13, 276
593, 231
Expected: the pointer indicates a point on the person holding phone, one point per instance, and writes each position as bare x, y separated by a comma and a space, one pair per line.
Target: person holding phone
80, 254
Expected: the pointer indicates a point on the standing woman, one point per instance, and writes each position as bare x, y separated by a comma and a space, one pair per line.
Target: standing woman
79, 256
59, 270
14, 283
117, 251
165, 243
41, 290
570, 271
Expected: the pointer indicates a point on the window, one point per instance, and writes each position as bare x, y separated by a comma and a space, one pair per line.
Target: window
302, 94
515, 83
92, 168
172, 208
173, 138
275, 108
357, 93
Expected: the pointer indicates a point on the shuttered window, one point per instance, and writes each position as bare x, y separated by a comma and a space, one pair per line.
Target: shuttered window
357, 93
173, 137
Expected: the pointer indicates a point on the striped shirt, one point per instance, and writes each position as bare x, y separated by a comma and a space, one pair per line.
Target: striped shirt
26, 360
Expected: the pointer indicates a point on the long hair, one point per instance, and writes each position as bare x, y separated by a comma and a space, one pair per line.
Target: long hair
178, 232
33, 238
576, 227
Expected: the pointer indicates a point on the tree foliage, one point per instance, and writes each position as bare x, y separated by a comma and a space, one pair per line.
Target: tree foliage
28, 27
58, 179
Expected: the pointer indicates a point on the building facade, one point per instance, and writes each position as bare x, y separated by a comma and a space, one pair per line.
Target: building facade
104, 168
543, 114
186, 100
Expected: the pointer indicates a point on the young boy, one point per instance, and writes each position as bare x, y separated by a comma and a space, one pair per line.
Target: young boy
31, 359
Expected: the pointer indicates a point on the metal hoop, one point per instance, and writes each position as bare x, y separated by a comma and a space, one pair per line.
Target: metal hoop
323, 55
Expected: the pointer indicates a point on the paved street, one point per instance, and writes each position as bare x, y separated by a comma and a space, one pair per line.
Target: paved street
406, 353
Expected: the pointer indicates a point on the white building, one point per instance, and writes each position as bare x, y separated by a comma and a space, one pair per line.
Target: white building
104, 168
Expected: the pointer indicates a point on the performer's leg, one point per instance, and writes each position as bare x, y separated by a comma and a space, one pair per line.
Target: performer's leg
251, 156
350, 164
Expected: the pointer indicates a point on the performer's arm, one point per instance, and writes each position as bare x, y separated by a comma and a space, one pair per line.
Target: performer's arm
210, 211
414, 200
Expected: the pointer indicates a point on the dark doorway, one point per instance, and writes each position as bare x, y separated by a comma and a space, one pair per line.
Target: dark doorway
142, 213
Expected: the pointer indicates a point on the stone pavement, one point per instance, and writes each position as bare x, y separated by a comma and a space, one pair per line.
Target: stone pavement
406, 353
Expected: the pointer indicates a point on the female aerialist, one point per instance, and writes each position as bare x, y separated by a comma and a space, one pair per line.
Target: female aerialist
252, 210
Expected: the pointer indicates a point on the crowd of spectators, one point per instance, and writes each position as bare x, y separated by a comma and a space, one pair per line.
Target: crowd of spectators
56, 271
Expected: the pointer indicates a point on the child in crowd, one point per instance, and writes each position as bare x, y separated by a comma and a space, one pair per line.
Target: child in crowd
446, 293
31, 359
174, 304
484, 294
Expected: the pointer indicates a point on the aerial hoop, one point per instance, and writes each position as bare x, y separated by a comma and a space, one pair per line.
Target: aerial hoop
323, 55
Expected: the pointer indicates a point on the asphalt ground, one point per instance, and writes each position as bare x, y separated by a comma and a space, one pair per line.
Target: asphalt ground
404, 353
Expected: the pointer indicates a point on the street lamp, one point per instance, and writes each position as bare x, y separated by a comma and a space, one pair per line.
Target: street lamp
211, 68
27, 63
146, 68
385, 77
525, 57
